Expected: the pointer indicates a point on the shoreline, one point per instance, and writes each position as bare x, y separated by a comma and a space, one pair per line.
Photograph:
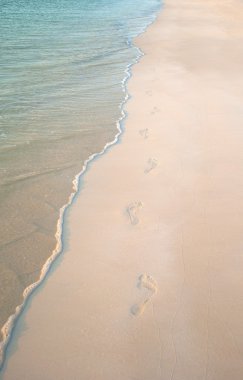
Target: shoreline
155, 247
9, 326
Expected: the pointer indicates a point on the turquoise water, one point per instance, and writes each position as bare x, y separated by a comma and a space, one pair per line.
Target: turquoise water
62, 67
59, 58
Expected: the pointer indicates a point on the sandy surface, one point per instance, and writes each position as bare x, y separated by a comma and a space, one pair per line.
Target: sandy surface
151, 283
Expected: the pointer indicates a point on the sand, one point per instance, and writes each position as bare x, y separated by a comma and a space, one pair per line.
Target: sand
150, 285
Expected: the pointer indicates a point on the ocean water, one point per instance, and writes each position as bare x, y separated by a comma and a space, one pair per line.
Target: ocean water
62, 69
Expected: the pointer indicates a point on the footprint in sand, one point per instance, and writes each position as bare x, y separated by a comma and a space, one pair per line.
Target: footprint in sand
144, 133
151, 164
147, 282
133, 210
155, 110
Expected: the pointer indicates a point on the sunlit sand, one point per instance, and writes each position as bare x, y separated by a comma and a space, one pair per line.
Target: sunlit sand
151, 281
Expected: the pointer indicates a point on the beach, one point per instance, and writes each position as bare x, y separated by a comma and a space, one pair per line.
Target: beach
150, 282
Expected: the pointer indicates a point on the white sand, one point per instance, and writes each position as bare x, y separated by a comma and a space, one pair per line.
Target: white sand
168, 207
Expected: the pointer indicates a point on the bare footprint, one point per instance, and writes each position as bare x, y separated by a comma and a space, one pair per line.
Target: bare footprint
132, 211
155, 110
148, 282
144, 133
152, 163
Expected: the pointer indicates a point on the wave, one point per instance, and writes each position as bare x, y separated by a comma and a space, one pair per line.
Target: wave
8, 327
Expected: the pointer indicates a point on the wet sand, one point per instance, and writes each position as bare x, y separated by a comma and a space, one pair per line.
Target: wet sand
30, 206
150, 285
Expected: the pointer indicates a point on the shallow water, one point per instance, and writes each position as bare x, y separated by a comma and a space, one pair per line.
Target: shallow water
62, 63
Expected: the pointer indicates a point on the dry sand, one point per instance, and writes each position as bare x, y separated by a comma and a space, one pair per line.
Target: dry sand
151, 284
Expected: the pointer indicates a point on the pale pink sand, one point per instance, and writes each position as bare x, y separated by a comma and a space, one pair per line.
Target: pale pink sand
96, 318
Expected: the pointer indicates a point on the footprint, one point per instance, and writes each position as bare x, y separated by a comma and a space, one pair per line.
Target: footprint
152, 163
147, 282
144, 133
155, 110
132, 211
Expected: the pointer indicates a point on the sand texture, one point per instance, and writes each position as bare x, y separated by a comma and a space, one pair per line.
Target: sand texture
150, 286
